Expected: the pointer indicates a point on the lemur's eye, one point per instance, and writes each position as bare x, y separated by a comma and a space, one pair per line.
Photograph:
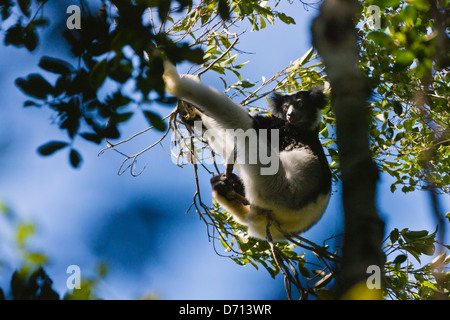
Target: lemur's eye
285, 108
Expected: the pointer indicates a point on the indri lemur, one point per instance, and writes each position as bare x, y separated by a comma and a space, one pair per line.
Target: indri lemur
297, 194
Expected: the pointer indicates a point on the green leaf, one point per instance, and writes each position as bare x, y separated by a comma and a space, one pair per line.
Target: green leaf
24, 231
246, 84
305, 58
102, 269
400, 259
423, 5
55, 65
393, 188
4, 208
387, 3
393, 236
380, 38
397, 107
413, 235
36, 258
224, 9
303, 270
425, 248
194, 55
75, 158
409, 14
155, 120
286, 19
51, 147
99, 73
403, 57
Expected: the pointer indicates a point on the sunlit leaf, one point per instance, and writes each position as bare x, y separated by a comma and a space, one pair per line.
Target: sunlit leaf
403, 57
24, 231
285, 18
380, 38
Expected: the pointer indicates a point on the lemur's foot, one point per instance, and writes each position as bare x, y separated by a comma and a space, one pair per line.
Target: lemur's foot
187, 113
230, 187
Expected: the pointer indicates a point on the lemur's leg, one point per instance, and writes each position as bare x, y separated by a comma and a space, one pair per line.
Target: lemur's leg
229, 114
229, 191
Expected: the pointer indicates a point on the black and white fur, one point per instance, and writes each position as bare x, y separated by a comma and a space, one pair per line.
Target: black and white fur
295, 196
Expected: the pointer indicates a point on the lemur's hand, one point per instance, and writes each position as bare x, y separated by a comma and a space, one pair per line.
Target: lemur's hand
230, 187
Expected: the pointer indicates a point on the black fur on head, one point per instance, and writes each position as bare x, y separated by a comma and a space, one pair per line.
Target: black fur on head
313, 97
305, 103
318, 98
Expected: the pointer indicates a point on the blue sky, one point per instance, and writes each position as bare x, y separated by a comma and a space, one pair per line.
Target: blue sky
138, 225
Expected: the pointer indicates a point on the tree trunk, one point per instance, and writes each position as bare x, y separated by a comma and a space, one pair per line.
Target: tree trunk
334, 37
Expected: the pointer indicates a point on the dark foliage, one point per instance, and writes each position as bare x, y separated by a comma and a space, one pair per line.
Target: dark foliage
102, 48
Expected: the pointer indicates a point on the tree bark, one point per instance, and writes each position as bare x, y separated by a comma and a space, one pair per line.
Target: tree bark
334, 37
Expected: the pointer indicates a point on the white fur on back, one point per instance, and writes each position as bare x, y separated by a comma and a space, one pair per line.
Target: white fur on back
292, 179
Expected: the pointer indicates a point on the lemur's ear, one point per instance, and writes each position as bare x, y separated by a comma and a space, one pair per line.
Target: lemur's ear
318, 98
276, 104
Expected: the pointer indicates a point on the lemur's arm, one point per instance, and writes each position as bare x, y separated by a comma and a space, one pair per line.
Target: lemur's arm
212, 102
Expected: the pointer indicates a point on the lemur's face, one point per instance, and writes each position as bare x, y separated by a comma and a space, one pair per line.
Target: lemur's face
301, 108
296, 109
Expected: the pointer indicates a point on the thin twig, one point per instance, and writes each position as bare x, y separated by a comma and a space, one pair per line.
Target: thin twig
236, 38
279, 259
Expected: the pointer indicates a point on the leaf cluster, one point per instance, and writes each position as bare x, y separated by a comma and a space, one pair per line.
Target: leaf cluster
406, 281
409, 114
30, 281
24, 32
117, 46
35, 286
311, 275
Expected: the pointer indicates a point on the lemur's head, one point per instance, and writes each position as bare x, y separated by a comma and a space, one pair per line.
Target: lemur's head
302, 108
